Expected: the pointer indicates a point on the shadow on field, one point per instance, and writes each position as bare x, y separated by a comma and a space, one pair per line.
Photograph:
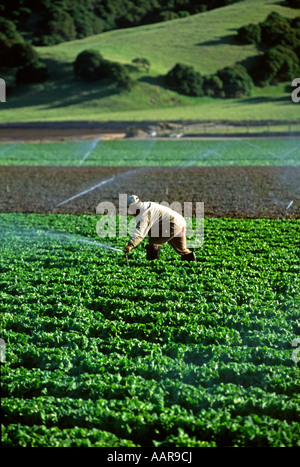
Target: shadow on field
62, 89
229, 39
57, 69
264, 100
154, 81
82, 92
71, 90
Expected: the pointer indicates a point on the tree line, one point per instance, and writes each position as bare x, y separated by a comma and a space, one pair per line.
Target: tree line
25, 24
48, 22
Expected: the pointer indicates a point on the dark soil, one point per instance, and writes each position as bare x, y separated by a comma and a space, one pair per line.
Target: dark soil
241, 192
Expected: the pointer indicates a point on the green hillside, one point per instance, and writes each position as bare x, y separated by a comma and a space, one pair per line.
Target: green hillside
205, 41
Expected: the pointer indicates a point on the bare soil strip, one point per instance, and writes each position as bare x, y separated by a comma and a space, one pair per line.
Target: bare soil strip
240, 192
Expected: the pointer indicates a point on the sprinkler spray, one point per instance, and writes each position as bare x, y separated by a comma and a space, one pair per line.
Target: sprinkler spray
101, 245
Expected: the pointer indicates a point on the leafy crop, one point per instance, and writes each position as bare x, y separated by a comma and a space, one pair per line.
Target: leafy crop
99, 353
274, 152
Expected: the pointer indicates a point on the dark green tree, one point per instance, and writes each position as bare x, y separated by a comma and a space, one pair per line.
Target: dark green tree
185, 80
274, 28
87, 65
118, 74
34, 72
213, 86
250, 34
142, 62
278, 64
236, 81
22, 54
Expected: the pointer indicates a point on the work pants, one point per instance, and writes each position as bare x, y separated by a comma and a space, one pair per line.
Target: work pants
178, 242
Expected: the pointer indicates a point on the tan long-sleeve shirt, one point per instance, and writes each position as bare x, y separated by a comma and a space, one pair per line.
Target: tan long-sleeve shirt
156, 220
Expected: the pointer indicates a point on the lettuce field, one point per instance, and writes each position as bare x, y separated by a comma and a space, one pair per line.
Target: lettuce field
104, 353
101, 353
154, 152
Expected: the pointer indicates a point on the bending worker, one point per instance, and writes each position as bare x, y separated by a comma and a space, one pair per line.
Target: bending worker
161, 224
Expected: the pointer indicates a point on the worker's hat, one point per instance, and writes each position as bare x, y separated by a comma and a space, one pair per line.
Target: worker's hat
134, 203
134, 200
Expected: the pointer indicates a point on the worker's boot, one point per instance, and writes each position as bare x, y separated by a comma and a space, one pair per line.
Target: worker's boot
189, 257
152, 252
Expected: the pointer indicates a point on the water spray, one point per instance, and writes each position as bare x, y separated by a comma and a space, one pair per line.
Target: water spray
128, 173
203, 156
86, 191
63, 236
102, 245
94, 144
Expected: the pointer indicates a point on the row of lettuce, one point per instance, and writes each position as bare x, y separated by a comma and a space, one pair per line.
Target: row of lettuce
197, 354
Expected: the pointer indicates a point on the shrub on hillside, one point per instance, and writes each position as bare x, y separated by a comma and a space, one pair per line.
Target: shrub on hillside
277, 65
22, 54
282, 38
185, 80
236, 81
249, 34
87, 65
34, 72
274, 29
229, 82
118, 74
213, 86
142, 62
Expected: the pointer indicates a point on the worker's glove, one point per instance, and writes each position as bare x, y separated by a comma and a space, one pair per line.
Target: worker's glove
127, 249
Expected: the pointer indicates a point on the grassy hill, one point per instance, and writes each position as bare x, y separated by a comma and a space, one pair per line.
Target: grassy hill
205, 41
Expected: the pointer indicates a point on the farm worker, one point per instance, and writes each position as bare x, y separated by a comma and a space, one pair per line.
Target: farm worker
161, 224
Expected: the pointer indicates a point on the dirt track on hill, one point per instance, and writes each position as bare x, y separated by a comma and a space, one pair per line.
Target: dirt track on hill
241, 192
